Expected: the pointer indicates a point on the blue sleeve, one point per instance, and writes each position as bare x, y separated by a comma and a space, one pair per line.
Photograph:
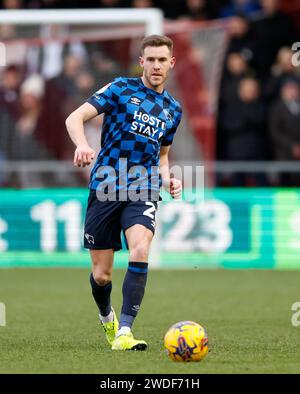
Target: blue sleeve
105, 99
168, 139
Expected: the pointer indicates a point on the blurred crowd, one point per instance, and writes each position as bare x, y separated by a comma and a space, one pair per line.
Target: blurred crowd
259, 106
34, 106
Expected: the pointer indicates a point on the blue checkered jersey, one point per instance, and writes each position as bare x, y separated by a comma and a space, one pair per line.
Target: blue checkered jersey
137, 122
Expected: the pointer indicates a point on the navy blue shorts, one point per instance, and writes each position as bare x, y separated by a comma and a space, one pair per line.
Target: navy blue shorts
106, 220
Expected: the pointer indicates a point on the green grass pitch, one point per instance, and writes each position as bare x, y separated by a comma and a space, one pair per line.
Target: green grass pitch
52, 324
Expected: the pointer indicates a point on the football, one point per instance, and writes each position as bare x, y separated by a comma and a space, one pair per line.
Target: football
186, 341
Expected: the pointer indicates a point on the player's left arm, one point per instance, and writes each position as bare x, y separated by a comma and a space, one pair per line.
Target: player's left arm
173, 185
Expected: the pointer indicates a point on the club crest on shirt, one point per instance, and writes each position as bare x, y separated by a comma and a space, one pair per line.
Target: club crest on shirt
168, 115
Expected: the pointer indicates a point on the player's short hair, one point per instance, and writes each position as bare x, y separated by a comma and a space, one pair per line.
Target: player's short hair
157, 41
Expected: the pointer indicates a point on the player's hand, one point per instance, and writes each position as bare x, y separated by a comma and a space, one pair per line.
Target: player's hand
175, 188
83, 156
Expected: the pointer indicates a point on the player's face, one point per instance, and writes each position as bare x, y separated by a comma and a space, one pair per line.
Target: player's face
156, 63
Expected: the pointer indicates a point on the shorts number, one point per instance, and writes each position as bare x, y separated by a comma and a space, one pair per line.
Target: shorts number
149, 212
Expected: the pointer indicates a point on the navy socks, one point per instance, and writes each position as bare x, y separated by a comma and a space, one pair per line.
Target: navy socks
133, 292
101, 295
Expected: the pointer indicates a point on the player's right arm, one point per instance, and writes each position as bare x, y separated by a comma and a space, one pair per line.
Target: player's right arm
84, 154
103, 101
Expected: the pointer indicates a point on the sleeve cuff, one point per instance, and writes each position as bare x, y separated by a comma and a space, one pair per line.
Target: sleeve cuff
166, 143
95, 104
